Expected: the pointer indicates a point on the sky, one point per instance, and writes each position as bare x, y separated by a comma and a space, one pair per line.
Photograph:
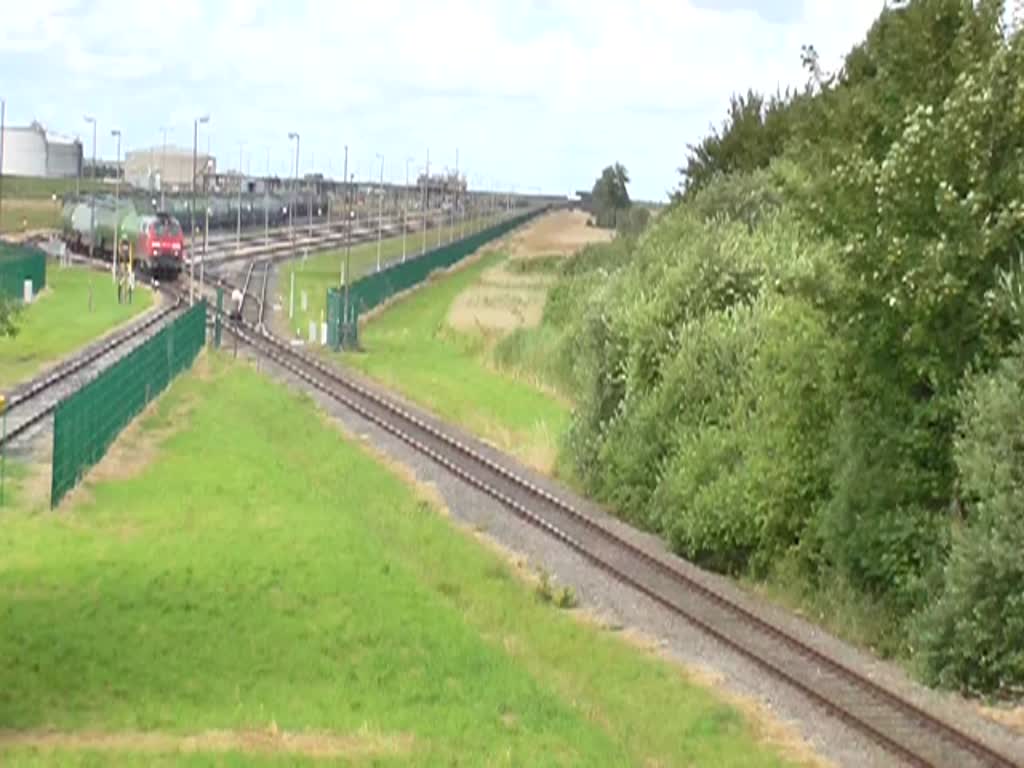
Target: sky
534, 94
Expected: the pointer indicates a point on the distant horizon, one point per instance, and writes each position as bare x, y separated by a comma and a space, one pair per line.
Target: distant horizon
544, 97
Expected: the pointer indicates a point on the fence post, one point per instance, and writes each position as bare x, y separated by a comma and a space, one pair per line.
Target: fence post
216, 319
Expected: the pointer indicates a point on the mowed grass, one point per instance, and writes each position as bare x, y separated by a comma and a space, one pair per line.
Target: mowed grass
28, 203
33, 188
322, 271
261, 574
22, 215
59, 321
410, 348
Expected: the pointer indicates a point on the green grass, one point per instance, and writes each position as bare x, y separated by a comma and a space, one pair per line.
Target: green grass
29, 187
322, 271
410, 348
59, 321
262, 570
23, 215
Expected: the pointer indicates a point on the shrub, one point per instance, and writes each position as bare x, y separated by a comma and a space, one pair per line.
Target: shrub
970, 638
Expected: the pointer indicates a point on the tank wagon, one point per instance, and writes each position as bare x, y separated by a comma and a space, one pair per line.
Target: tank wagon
257, 210
155, 242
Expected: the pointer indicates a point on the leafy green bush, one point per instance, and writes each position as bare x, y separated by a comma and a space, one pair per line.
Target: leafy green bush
971, 638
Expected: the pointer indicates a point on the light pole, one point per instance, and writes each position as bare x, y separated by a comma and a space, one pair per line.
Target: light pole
440, 208
192, 211
405, 206
329, 187
380, 209
455, 201
92, 215
291, 202
163, 170
426, 202
238, 220
266, 203
347, 207
117, 206
312, 170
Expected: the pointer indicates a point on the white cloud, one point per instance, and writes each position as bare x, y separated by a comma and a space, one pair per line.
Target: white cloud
636, 80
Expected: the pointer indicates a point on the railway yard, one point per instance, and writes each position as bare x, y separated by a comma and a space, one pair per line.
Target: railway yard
760, 685
459, 385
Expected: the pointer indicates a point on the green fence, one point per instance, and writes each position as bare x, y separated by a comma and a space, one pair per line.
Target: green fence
374, 289
86, 422
18, 264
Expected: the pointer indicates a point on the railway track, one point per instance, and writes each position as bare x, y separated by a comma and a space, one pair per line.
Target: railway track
911, 734
31, 403
281, 246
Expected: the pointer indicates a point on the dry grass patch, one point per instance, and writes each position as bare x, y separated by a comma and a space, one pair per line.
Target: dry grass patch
561, 232
308, 744
1012, 717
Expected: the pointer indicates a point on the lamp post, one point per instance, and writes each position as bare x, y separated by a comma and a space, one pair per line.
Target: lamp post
266, 203
455, 196
238, 220
117, 206
163, 170
440, 207
92, 215
192, 211
347, 207
405, 206
295, 191
426, 202
380, 209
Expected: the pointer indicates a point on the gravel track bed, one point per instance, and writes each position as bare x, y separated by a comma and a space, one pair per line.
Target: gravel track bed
621, 606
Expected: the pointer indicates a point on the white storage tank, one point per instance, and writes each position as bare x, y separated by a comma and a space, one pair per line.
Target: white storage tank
24, 151
33, 151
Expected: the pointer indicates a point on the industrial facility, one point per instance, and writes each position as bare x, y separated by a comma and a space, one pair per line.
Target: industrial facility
169, 168
34, 151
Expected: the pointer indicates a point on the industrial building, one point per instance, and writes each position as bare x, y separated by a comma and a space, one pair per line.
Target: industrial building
34, 151
167, 167
438, 187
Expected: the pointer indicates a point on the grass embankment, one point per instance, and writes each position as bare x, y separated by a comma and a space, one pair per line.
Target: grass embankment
413, 348
322, 271
28, 202
60, 320
241, 589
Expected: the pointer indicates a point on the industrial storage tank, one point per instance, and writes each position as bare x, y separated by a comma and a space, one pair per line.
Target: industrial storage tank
63, 156
33, 151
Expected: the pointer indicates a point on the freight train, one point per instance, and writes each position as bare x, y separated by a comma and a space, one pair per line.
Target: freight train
154, 243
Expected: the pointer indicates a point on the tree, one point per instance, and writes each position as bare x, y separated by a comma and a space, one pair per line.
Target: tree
610, 195
754, 133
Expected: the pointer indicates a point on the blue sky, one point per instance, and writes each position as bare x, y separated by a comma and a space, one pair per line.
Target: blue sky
533, 93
